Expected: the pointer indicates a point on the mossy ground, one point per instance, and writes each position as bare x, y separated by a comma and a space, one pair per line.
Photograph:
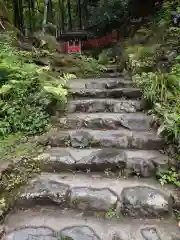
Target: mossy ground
22, 151
16, 145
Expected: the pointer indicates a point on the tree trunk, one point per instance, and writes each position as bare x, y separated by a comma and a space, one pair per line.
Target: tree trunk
30, 15
45, 16
79, 13
21, 17
18, 15
62, 14
50, 12
15, 13
33, 14
69, 14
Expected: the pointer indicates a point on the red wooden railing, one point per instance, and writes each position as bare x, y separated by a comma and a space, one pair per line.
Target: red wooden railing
101, 42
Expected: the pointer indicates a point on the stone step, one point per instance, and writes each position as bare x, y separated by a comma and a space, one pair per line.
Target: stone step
112, 74
114, 161
131, 121
104, 105
52, 223
131, 93
97, 194
99, 83
86, 138
111, 68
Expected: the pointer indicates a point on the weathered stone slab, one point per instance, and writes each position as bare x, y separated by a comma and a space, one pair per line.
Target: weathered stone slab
120, 138
2, 231
131, 93
80, 139
175, 236
116, 236
100, 83
66, 220
150, 234
139, 162
146, 163
54, 138
78, 233
104, 105
103, 159
144, 201
56, 159
132, 121
111, 75
43, 190
30, 233
92, 199
146, 140
95, 138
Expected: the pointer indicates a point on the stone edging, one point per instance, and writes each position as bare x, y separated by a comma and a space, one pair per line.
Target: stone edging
134, 201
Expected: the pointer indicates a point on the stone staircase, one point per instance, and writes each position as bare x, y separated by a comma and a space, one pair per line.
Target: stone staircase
99, 166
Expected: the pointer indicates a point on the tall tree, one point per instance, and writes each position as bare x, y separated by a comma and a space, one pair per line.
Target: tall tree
61, 10
50, 11
45, 15
69, 14
18, 15
79, 13
30, 12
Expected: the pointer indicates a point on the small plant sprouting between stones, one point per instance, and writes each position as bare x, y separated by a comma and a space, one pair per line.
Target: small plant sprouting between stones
169, 176
112, 213
108, 172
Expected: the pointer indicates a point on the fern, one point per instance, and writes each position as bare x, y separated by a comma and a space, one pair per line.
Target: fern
24, 96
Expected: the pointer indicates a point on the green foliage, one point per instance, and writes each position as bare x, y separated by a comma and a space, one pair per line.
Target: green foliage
169, 117
15, 146
78, 65
156, 70
172, 39
104, 57
164, 15
142, 35
169, 176
107, 12
158, 87
90, 67
162, 91
11, 182
142, 52
23, 96
143, 58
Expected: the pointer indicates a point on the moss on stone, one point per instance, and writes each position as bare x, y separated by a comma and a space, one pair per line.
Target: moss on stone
19, 154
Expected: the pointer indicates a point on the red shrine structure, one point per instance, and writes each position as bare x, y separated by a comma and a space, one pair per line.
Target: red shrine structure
71, 42
74, 42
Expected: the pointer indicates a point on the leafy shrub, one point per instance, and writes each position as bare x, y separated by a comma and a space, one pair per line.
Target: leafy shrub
169, 176
156, 71
164, 15
171, 38
169, 117
138, 66
90, 67
162, 91
158, 87
104, 57
79, 65
142, 58
24, 97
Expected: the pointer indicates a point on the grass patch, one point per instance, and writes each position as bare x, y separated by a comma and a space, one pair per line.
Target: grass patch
25, 149
17, 145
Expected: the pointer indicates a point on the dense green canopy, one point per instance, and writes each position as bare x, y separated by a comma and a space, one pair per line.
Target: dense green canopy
58, 15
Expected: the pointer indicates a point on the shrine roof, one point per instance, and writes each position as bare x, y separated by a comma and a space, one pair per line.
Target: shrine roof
70, 35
